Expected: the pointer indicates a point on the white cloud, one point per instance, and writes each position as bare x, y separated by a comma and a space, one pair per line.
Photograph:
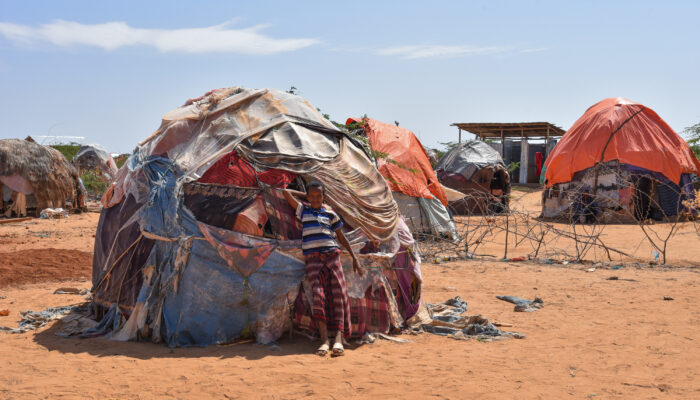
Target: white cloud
535, 50
113, 35
426, 51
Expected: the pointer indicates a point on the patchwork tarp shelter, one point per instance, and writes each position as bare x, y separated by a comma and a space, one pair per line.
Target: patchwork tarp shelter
93, 157
38, 177
477, 170
406, 167
196, 244
619, 161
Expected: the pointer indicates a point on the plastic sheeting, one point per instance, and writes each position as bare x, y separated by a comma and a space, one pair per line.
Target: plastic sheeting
641, 139
357, 192
167, 264
17, 183
426, 216
233, 170
468, 158
95, 157
407, 167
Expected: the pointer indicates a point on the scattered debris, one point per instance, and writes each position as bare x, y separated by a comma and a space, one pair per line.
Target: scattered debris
502, 324
51, 213
11, 220
590, 270
616, 267
447, 320
668, 298
34, 320
370, 338
615, 278
662, 387
392, 338
71, 290
75, 323
523, 305
4, 313
367, 338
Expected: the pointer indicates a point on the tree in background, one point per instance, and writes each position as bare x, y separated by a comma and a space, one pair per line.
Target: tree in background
693, 133
446, 146
69, 150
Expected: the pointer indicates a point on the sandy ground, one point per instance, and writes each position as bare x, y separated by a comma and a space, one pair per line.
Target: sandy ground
76, 232
595, 338
683, 247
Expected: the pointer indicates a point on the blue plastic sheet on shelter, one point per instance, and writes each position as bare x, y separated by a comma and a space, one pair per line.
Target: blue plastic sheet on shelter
168, 264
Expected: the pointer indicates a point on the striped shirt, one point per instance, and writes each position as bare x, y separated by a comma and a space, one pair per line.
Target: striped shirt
318, 227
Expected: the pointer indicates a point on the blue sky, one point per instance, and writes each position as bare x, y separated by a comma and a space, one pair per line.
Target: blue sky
109, 72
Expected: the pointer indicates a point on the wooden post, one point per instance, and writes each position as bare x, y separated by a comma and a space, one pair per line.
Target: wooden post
503, 146
460, 135
524, 157
546, 143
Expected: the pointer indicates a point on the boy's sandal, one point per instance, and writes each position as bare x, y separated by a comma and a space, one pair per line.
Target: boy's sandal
338, 349
323, 350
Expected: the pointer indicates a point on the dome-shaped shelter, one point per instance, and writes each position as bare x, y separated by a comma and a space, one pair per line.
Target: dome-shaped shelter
405, 165
618, 162
94, 157
477, 170
37, 176
196, 245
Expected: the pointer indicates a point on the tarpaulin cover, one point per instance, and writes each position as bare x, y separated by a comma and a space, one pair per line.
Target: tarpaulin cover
642, 139
168, 263
407, 168
17, 183
427, 216
357, 192
233, 170
95, 157
469, 157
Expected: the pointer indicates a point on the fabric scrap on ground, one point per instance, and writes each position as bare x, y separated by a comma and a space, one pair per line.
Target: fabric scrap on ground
523, 305
448, 320
34, 320
71, 290
51, 213
75, 323
370, 338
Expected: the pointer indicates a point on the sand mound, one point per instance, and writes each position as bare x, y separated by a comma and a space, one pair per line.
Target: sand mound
34, 266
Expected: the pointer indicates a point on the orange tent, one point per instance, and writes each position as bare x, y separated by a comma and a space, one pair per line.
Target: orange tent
637, 136
407, 167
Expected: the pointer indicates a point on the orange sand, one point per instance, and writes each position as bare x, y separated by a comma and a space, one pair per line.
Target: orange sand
595, 338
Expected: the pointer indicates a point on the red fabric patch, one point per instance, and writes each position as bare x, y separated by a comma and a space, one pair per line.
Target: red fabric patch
233, 170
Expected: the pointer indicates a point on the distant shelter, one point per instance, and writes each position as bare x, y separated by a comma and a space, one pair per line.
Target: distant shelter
517, 142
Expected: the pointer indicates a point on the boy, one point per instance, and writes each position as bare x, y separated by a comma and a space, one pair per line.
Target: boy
331, 307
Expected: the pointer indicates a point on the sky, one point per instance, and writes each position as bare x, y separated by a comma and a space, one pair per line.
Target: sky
108, 72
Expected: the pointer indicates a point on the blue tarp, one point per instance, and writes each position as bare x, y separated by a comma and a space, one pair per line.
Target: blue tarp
204, 300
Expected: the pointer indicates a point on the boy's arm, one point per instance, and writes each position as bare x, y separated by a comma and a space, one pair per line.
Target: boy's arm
344, 241
289, 196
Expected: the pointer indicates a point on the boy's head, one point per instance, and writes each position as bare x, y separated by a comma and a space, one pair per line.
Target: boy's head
314, 193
